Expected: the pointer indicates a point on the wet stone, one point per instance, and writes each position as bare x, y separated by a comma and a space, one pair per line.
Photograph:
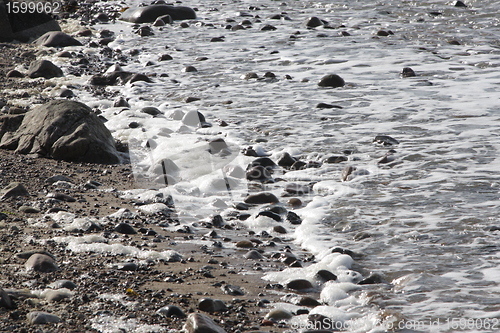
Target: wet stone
308, 301
374, 278
313, 22
244, 244
385, 140
171, 311
327, 106
286, 160
261, 198
299, 284
407, 72
271, 215
279, 229
297, 189
326, 275
331, 80
151, 110
336, 159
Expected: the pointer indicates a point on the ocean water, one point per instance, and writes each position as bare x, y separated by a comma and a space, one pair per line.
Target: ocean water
422, 221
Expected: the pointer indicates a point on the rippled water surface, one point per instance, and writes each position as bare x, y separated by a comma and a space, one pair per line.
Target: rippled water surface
423, 221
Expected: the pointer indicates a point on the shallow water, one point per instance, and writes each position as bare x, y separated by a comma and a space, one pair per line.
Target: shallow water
422, 221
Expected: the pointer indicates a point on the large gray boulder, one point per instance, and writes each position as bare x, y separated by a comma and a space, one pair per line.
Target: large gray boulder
60, 129
23, 27
57, 39
149, 14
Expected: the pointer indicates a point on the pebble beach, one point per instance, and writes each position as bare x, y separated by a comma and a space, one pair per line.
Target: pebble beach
262, 167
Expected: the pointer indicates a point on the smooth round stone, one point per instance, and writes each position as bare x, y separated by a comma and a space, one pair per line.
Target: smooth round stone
41, 263
244, 244
286, 160
279, 314
171, 311
297, 189
374, 278
253, 254
299, 284
308, 301
189, 69
127, 266
295, 202
28, 210
271, 215
261, 198
125, 228
211, 305
263, 161
40, 317
216, 145
336, 159
326, 275
258, 173
151, 110
331, 80
279, 229
313, 22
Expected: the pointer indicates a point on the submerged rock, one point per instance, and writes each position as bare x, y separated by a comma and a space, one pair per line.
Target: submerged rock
149, 14
171, 311
331, 80
261, 198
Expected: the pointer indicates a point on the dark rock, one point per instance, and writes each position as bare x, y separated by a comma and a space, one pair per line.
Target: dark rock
189, 69
336, 159
279, 314
125, 228
286, 160
149, 14
331, 80
167, 19
298, 165
201, 323
460, 4
24, 26
139, 77
121, 102
325, 275
258, 173
263, 161
41, 263
343, 251
211, 305
14, 74
299, 284
144, 31
374, 278
297, 189
56, 39
385, 140
261, 198
39, 317
165, 57
171, 311
217, 221
268, 27
5, 301
280, 230
407, 72
308, 301
320, 322
127, 266
278, 209
253, 254
383, 33
327, 106
271, 215
151, 110
313, 22
45, 69
63, 130
14, 190
293, 218
244, 244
